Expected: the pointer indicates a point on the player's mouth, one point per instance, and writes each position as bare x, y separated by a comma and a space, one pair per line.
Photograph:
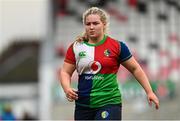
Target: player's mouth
92, 32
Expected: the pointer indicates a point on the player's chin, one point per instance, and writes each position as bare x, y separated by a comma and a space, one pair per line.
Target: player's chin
93, 36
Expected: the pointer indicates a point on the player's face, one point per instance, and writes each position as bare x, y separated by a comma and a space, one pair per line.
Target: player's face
94, 26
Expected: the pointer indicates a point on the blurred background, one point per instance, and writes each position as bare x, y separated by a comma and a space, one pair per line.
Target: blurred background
35, 34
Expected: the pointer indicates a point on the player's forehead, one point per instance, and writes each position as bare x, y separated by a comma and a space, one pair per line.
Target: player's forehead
93, 18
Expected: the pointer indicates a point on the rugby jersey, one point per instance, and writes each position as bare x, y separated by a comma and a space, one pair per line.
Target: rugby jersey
97, 65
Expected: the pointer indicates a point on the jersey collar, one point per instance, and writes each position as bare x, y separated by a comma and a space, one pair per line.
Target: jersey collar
97, 44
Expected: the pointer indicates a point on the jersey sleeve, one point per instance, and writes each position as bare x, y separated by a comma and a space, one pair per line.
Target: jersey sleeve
70, 56
125, 53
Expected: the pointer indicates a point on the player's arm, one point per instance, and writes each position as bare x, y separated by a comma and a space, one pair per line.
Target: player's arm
132, 65
66, 73
65, 80
128, 61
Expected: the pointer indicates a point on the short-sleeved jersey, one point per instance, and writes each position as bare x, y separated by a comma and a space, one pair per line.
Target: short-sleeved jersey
97, 65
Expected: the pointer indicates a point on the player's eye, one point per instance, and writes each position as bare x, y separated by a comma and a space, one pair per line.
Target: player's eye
88, 24
95, 23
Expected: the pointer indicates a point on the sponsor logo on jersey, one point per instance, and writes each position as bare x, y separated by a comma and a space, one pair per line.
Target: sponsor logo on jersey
107, 52
96, 77
95, 67
82, 54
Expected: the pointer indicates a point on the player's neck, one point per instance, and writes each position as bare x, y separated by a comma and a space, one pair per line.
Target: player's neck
95, 40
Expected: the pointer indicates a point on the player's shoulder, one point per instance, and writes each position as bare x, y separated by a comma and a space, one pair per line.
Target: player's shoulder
74, 44
121, 42
113, 40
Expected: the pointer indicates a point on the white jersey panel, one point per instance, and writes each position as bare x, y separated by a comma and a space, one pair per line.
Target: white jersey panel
84, 56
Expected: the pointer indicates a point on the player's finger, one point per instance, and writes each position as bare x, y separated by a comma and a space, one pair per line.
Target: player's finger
73, 97
70, 100
73, 94
75, 91
150, 102
157, 104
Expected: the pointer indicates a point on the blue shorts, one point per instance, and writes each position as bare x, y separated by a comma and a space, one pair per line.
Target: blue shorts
108, 112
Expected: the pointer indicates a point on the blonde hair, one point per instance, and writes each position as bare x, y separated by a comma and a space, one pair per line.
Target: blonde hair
104, 17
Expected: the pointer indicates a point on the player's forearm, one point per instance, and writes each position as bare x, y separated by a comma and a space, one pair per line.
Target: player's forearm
65, 80
142, 79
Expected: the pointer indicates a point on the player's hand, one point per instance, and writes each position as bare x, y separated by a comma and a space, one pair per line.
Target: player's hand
153, 98
71, 94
